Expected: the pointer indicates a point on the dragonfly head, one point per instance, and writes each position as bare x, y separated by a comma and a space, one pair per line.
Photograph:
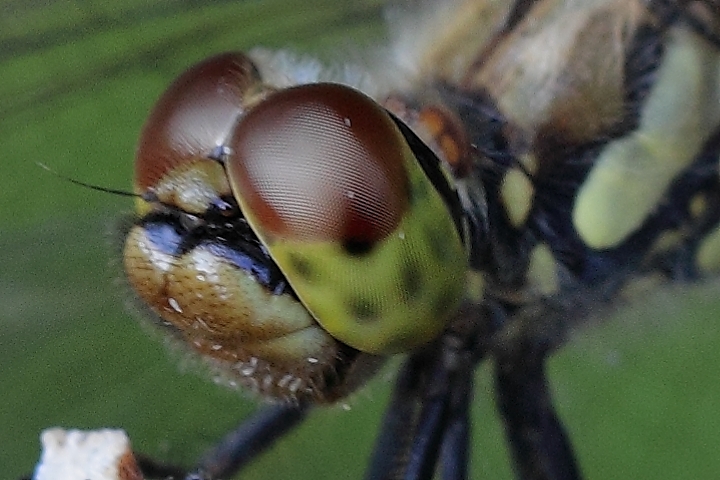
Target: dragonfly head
283, 221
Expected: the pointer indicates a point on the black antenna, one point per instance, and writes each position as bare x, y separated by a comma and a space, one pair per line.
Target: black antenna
98, 188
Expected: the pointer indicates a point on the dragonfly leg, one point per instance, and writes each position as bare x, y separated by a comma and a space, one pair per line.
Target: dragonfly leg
455, 442
431, 422
392, 444
427, 418
540, 447
153, 469
250, 439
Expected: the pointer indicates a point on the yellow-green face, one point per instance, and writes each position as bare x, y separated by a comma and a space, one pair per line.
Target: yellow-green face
291, 233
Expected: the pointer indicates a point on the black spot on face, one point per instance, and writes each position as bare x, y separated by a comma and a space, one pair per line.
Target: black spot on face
302, 267
438, 243
363, 311
412, 281
419, 191
357, 248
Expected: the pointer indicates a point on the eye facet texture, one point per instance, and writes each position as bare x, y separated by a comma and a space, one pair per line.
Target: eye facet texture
192, 258
191, 120
331, 187
312, 163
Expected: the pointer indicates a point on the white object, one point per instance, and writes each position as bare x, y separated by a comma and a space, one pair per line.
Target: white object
86, 455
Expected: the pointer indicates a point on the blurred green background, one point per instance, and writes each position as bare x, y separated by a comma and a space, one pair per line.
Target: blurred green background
639, 392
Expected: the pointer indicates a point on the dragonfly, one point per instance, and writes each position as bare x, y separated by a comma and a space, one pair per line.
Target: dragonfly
511, 169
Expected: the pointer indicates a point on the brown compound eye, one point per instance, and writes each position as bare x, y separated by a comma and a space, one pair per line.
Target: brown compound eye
314, 163
330, 185
190, 123
215, 288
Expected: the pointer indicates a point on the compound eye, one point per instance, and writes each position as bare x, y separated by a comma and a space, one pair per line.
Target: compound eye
329, 184
190, 122
316, 163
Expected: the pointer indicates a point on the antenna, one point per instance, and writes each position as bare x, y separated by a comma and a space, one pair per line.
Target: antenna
98, 188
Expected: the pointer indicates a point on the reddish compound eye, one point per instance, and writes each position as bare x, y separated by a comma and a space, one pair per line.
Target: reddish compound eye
331, 187
320, 162
192, 120
335, 200
206, 276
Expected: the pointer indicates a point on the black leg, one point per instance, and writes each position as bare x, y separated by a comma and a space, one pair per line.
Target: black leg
539, 444
427, 419
253, 436
409, 443
393, 442
427, 441
152, 469
455, 444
